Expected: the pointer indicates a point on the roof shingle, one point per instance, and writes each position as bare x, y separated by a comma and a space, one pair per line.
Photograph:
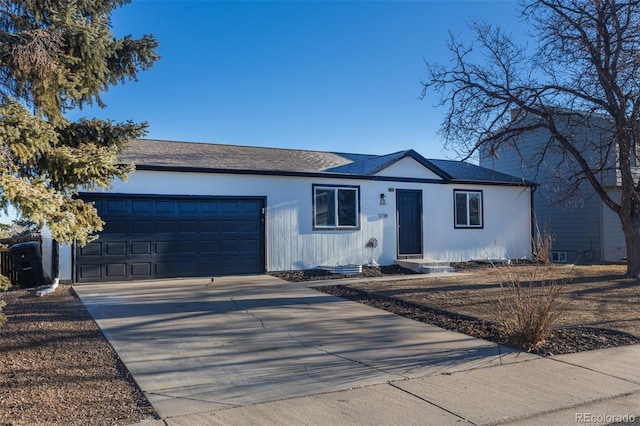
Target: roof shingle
149, 153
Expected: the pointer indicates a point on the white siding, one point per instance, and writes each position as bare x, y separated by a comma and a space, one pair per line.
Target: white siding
506, 233
64, 257
291, 243
408, 167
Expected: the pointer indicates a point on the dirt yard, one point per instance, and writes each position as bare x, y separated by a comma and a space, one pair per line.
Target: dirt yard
56, 367
598, 296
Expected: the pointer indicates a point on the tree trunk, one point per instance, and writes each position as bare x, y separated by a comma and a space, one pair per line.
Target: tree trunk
630, 219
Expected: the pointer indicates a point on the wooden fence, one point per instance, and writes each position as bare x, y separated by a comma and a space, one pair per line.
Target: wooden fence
6, 261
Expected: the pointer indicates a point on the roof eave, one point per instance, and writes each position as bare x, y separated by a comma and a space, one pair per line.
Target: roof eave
417, 157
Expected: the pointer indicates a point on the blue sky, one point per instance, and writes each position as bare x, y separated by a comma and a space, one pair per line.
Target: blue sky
336, 76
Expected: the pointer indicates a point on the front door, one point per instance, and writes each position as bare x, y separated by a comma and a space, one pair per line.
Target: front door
409, 221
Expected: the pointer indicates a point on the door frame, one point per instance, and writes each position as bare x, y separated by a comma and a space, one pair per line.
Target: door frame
418, 228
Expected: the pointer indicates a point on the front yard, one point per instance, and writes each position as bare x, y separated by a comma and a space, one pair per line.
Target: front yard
596, 296
57, 368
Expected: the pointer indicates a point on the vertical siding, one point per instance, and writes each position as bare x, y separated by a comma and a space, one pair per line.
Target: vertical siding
291, 243
506, 233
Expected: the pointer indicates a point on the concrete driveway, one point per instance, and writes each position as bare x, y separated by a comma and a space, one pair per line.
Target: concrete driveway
197, 347
258, 350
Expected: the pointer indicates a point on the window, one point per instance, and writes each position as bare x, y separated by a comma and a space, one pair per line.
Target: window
559, 256
467, 209
336, 207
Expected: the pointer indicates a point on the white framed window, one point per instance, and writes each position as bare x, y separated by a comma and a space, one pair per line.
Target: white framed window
336, 207
559, 256
467, 208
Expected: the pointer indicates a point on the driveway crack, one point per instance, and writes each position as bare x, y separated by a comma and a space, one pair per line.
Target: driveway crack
434, 404
239, 308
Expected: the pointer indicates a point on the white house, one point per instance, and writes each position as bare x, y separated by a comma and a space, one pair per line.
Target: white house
196, 209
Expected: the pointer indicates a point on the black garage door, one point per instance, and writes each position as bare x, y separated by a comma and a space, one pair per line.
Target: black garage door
148, 237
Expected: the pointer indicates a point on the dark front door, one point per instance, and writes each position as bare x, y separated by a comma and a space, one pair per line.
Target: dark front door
409, 220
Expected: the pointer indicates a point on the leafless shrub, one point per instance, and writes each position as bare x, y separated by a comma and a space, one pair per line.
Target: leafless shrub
542, 245
528, 307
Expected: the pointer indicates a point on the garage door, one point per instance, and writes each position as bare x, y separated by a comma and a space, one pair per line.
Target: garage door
164, 237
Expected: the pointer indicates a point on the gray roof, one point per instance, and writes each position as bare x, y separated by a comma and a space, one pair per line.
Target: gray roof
170, 155
463, 171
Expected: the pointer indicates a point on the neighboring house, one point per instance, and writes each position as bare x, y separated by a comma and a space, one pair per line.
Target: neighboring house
197, 209
583, 228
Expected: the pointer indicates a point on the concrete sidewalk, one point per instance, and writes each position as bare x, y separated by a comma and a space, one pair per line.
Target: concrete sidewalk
258, 350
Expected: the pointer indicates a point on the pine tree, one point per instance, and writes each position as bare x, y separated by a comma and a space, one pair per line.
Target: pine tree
56, 56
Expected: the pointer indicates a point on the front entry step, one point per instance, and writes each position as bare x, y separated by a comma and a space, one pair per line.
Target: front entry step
425, 266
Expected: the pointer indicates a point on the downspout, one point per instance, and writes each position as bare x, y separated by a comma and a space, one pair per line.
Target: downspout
533, 218
55, 270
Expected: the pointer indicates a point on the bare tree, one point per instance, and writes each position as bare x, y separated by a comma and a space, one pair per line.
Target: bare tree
581, 78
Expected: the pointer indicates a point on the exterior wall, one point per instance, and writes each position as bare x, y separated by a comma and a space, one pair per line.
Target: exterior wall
408, 167
64, 258
506, 232
576, 229
291, 243
580, 227
613, 242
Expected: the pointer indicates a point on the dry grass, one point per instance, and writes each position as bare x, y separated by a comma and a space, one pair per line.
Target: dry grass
598, 296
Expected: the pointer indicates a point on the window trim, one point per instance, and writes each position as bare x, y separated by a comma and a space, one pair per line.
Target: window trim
455, 209
336, 227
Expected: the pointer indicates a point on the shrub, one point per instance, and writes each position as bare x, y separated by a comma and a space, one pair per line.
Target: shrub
5, 284
542, 244
528, 307
3, 318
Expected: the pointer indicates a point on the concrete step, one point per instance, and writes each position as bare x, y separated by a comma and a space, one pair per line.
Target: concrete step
425, 266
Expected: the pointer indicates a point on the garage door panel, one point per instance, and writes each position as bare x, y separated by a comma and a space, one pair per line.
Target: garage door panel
141, 247
162, 237
210, 206
166, 247
187, 226
92, 249
141, 270
186, 207
188, 247
117, 226
250, 207
116, 206
166, 207
165, 225
142, 226
116, 270
89, 272
116, 248
210, 226
141, 207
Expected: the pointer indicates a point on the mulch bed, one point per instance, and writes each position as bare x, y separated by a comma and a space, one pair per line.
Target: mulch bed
562, 340
57, 368
320, 274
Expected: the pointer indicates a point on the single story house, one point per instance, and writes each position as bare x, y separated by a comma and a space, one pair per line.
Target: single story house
200, 209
